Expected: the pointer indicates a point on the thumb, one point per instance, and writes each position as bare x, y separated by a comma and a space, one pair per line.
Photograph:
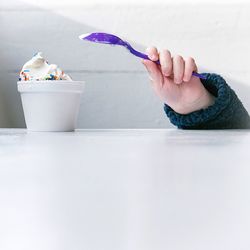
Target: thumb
154, 73
144, 62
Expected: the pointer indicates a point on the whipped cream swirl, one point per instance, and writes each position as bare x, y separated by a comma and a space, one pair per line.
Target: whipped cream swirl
38, 69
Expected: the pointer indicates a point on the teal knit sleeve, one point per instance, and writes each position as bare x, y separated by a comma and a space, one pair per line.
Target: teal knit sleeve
226, 113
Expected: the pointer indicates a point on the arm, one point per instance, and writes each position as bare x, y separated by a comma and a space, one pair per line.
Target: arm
227, 112
190, 102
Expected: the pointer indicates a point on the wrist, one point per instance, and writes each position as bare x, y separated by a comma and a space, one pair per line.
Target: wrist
203, 102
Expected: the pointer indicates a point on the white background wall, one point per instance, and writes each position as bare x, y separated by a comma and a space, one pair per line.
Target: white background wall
118, 94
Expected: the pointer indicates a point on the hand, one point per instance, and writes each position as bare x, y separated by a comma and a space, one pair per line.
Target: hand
173, 82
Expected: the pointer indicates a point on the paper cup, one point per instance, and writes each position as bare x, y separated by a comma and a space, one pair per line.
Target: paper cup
51, 105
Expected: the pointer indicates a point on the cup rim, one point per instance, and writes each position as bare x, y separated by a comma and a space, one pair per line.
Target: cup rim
51, 82
51, 86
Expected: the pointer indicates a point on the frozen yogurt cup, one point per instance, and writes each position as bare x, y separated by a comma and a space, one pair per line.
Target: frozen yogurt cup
50, 99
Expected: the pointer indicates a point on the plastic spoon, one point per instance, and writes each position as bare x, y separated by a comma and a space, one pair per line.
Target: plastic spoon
115, 40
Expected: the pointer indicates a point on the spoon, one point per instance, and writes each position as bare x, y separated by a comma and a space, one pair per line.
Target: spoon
115, 40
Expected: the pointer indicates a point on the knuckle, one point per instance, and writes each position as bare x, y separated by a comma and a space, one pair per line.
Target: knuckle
177, 81
167, 70
186, 78
150, 49
165, 51
163, 57
153, 49
178, 58
190, 61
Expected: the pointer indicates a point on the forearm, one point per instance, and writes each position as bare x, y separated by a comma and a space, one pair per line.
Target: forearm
227, 111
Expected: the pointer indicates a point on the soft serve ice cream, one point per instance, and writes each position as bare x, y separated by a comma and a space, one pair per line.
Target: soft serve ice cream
38, 69
50, 98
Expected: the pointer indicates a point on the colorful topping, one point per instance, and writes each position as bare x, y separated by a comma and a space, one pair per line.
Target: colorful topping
38, 69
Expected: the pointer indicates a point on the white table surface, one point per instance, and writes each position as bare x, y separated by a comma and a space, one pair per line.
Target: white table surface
125, 189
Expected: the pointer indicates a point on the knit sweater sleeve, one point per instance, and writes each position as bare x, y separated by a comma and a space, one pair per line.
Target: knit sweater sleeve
227, 112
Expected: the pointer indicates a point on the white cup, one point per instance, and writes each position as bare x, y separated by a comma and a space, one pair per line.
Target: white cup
51, 105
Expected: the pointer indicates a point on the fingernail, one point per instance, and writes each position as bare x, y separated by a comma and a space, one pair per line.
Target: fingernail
151, 57
165, 73
177, 81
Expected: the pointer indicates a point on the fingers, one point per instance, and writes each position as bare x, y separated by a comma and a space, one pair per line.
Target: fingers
174, 67
166, 62
152, 53
154, 74
190, 67
178, 69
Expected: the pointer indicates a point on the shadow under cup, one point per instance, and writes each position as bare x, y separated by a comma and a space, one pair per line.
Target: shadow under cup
51, 105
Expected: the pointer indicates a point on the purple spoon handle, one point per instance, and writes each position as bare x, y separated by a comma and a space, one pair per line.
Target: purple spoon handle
105, 38
144, 56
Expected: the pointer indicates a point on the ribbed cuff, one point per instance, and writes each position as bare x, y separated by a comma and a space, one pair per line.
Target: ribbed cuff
218, 87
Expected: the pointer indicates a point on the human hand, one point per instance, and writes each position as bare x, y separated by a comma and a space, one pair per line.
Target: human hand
173, 82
